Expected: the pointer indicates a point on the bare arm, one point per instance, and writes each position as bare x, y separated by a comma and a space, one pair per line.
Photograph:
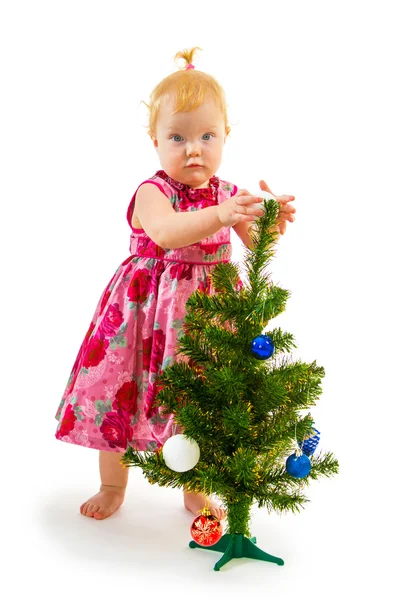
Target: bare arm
243, 231
170, 229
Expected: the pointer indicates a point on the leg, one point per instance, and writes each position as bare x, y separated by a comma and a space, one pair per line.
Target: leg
114, 479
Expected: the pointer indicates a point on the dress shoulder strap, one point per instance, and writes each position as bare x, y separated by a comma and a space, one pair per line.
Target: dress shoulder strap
162, 185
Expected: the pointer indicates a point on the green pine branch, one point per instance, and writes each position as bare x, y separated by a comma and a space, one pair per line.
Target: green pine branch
245, 414
226, 279
283, 341
282, 503
257, 259
323, 465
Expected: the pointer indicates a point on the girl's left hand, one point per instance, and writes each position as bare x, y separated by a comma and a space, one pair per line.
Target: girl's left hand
286, 210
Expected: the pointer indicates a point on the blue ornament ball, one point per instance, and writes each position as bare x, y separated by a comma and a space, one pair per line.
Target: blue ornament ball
298, 466
262, 347
309, 445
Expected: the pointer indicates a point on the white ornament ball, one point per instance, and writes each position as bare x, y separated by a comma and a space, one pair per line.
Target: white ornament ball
265, 195
181, 453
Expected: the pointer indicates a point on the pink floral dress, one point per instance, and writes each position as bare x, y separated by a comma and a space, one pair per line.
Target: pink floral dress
107, 403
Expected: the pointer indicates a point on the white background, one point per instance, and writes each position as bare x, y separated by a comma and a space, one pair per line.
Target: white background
314, 107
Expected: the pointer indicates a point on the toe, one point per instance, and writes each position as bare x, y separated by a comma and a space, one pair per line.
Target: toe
101, 513
219, 513
91, 509
95, 509
85, 508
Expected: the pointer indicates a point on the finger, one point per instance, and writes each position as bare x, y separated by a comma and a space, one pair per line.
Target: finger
240, 207
284, 219
285, 198
285, 212
245, 218
243, 200
250, 211
265, 187
286, 208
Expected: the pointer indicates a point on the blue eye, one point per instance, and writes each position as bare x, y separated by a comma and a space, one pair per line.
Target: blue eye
177, 136
209, 136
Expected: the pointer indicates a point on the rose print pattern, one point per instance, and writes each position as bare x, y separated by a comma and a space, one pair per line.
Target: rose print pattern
108, 402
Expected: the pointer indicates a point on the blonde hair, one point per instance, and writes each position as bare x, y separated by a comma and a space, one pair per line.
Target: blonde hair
190, 87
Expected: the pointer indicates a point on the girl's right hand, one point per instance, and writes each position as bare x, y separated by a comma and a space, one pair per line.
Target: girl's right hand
243, 207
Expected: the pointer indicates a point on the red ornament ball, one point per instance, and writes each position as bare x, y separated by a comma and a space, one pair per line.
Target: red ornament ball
206, 530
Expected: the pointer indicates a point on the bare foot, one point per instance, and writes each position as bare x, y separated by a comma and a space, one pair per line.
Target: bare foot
105, 503
196, 502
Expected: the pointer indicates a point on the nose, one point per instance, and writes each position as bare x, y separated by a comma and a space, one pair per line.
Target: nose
193, 149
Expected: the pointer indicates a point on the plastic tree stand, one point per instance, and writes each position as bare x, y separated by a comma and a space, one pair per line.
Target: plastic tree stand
236, 545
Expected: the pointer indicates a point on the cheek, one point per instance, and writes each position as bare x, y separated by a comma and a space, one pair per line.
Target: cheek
164, 151
174, 152
216, 150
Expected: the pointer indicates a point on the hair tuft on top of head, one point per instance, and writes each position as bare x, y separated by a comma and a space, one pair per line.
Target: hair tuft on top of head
187, 56
189, 88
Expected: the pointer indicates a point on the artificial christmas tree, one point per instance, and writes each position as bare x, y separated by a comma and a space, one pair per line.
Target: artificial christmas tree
237, 393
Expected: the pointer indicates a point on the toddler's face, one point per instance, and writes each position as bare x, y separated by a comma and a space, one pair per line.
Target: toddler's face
190, 138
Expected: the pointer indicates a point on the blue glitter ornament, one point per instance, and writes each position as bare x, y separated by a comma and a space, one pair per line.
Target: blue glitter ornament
298, 466
262, 347
309, 444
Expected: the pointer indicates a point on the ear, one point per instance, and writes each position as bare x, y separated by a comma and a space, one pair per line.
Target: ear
155, 143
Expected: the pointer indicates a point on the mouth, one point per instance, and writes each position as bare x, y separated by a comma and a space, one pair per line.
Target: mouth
194, 166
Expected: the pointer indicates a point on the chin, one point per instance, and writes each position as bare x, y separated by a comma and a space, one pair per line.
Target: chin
197, 177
